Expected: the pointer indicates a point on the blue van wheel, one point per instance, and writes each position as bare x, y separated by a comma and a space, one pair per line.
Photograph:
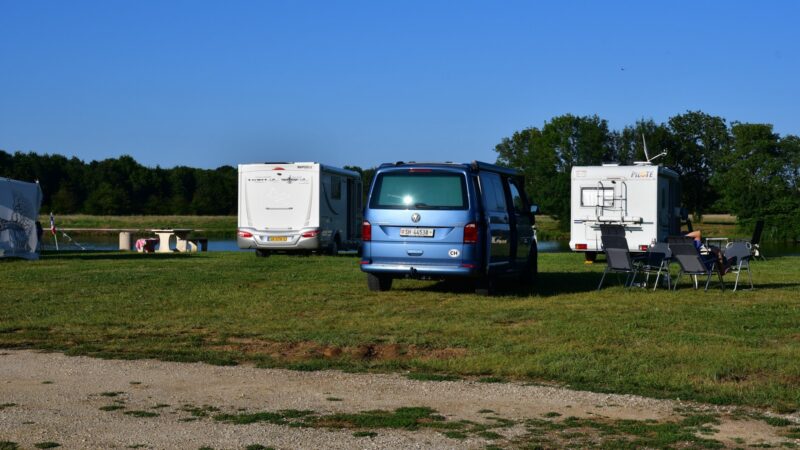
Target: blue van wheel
379, 282
528, 276
484, 286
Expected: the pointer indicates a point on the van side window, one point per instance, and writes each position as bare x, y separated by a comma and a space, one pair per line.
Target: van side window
336, 188
493, 194
516, 198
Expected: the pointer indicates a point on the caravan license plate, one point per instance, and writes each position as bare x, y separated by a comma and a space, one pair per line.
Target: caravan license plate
416, 232
277, 238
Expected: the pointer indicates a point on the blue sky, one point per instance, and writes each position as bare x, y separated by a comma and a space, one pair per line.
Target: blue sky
211, 83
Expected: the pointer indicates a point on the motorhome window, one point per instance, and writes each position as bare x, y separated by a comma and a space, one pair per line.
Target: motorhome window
419, 190
336, 188
597, 196
516, 198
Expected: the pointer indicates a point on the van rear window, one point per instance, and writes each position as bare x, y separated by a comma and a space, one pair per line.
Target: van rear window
419, 190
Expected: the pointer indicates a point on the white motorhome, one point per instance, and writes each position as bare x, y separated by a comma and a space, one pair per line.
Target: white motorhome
299, 206
643, 198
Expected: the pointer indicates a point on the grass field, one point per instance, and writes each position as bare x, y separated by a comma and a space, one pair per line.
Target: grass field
315, 312
712, 225
210, 224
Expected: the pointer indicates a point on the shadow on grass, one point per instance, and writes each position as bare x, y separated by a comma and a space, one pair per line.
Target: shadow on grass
109, 255
551, 284
546, 285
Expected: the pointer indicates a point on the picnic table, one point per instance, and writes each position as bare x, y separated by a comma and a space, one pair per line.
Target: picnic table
182, 242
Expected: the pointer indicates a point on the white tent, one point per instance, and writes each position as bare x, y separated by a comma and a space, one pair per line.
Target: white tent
19, 210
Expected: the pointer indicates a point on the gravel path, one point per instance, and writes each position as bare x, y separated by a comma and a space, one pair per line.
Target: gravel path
52, 397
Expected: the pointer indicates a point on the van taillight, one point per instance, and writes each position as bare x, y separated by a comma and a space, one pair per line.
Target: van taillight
245, 234
310, 234
366, 231
471, 233
581, 247
643, 248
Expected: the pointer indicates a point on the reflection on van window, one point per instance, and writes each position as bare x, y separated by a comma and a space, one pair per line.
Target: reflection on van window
516, 197
425, 190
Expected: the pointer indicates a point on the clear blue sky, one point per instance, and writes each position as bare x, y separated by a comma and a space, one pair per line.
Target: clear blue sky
211, 83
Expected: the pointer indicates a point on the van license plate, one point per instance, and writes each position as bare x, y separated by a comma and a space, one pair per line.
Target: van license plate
278, 238
416, 232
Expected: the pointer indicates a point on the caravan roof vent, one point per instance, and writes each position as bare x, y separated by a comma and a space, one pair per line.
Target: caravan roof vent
610, 164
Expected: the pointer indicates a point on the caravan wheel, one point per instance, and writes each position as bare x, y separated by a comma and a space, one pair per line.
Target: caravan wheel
590, 257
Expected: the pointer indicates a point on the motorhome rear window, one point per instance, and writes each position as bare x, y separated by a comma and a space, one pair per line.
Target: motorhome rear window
597, 197
419, 190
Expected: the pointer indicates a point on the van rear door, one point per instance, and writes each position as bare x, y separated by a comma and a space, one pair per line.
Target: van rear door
418, 217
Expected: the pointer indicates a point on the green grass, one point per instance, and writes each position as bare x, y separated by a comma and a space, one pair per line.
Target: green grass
285, 311
547, 227
8, 445
137, 413
111, 407
211, 224
47, 445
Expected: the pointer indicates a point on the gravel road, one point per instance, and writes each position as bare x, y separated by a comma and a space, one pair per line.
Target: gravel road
56, 398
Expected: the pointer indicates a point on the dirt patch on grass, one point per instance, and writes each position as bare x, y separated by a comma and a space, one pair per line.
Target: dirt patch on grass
304, 350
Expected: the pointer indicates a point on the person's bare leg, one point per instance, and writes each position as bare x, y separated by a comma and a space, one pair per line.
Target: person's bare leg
696, 235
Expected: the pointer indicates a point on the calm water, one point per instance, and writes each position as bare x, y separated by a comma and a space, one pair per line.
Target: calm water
111, 241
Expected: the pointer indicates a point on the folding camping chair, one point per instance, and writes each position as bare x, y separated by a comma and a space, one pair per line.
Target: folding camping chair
738, 256
618, 256
692, 262
657, 260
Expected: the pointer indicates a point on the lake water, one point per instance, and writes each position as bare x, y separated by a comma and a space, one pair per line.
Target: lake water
111, 241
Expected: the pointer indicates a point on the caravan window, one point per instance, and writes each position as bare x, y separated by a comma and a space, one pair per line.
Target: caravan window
597, 196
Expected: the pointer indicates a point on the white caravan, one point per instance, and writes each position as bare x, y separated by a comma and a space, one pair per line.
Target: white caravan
300, 206
643, 198
19, 211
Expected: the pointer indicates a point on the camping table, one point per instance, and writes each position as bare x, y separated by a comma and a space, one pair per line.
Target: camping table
182, 244
721, 242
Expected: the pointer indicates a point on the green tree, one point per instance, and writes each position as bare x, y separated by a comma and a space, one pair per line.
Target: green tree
700, 140
547, 156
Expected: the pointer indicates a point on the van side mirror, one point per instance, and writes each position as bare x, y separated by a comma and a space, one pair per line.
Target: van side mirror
534, 209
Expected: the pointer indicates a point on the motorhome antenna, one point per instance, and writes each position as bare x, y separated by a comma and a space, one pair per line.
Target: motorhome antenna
647, 157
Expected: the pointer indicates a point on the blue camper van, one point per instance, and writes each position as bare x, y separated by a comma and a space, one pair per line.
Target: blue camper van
445, 220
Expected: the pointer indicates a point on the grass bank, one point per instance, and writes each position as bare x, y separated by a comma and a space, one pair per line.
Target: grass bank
315, 312
712, 225
209, 224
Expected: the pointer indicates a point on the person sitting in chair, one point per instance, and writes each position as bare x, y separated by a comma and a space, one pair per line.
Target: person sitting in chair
722, 262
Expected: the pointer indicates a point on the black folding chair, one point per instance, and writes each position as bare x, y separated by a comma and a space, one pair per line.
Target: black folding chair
738, 256
618, 257
692, 262
657, 260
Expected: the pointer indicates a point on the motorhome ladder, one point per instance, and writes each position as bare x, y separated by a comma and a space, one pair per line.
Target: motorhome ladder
619, 200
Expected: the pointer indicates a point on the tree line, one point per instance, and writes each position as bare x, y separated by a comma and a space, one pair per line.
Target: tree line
121, 186
745, 169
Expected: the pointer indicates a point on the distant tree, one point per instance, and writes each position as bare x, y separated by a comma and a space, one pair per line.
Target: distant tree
547, 156
699, 142
757, 178
630, 146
